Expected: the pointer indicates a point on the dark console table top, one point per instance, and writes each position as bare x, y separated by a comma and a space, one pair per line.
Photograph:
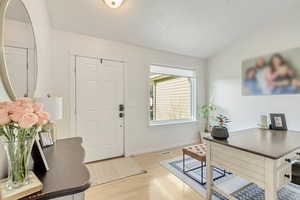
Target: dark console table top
67, 175
268, 143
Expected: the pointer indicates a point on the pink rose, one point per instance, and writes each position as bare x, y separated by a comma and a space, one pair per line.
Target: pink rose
24, 100
37, 107
17, 103
43, 115
3, 105
27, 108
16, 116
41, 122
4, 119
18, 109
28, 120
11, 106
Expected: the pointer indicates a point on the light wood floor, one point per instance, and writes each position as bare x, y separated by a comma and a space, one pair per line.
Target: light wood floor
157, 184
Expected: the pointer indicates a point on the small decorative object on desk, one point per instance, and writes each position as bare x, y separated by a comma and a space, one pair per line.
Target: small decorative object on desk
278, 121
20, 121
45, 139
40, 163
220, 131
263, 122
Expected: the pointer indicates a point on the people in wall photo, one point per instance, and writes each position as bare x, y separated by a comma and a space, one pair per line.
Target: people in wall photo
273, 75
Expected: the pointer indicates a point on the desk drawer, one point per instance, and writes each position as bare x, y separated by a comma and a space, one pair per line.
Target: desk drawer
291, 156
242, 156
244, 164
284, 175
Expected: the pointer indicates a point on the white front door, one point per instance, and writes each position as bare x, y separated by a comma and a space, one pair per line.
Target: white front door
99, 94
16, 61
21, 70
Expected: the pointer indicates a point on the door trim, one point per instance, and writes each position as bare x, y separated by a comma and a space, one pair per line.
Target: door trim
73, 99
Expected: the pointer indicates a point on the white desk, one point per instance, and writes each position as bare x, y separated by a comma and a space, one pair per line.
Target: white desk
260, 156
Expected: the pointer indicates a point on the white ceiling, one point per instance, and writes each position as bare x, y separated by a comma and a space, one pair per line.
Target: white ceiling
197, 28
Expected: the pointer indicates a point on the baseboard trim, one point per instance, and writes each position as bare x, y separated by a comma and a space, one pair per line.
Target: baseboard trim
156, 149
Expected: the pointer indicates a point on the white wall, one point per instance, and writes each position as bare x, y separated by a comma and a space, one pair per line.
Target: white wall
139, 136
18, 34
41, 25
224, 80
38, 13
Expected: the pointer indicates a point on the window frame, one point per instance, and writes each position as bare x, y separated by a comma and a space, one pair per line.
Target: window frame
179, 72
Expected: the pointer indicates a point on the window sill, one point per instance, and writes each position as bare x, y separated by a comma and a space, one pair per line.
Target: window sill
171, 122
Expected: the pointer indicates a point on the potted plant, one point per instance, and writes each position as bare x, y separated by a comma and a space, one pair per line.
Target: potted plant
220, 131
205, 113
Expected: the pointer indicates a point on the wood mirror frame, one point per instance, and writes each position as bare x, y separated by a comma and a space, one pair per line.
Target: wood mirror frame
7, 84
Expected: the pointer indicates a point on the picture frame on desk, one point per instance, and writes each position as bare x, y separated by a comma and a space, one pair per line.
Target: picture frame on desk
278, 121
46, 139
40, 163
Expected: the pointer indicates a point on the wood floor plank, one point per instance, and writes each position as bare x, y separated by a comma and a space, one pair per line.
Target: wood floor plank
157, 184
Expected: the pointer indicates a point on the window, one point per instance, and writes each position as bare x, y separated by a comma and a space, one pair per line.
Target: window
172, 95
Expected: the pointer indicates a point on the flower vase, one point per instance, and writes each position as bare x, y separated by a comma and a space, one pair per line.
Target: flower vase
18, 156
20, 122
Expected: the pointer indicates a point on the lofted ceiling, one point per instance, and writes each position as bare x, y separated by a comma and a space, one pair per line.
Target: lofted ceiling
198, 28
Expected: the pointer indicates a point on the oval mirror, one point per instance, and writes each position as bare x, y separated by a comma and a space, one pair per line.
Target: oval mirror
19, 65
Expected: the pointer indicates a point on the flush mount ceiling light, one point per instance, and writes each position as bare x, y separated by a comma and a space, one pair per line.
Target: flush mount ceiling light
114, 3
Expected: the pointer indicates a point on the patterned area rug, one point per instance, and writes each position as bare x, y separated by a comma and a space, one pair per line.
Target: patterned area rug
230, 184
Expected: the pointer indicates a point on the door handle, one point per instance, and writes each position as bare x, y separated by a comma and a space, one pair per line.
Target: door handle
121, 107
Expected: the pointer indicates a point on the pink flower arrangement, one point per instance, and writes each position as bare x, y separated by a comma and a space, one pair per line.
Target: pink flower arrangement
22, 115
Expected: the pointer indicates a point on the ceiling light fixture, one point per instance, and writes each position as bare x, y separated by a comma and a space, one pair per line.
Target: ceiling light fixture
114, 3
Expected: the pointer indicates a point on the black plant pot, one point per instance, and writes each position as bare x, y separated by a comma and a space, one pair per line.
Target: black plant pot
219, 133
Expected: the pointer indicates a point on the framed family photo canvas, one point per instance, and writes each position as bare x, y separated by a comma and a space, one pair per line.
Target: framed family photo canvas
273, 74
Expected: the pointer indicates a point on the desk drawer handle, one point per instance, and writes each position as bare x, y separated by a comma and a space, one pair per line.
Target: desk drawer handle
287, 176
